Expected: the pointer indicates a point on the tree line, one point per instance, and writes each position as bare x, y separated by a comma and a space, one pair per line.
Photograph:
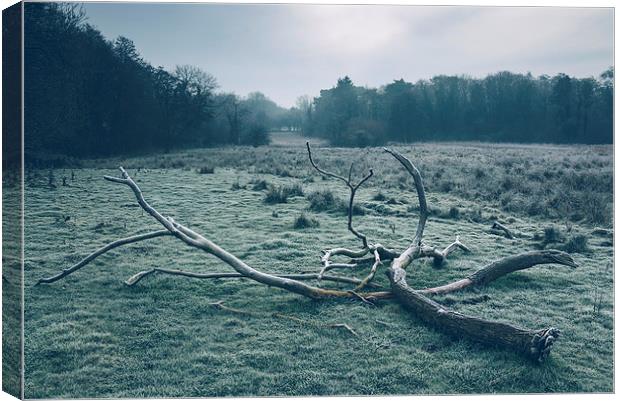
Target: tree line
86, 96
503, 107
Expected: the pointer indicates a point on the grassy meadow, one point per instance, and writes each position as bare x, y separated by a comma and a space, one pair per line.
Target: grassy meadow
90, 336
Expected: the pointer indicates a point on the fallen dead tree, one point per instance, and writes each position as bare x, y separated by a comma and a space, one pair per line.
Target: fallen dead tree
535, 344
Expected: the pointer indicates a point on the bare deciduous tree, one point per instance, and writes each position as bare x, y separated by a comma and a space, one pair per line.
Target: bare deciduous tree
535, 344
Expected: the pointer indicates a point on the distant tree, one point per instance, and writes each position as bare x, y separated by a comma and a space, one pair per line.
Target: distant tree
235, 114
402, 108
195, 81
256, 131
273, 117
305, 107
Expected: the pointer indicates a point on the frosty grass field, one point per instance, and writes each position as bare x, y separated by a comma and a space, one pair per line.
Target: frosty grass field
90, 335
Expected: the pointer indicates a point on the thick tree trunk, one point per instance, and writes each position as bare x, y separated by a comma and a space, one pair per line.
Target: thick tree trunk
535, 344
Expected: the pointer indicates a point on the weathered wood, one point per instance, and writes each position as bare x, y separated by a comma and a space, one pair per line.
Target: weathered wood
504, 266
352, 190
371, 275
535, 344
439, 257
101, 251
419, 186
519, 262
133, 280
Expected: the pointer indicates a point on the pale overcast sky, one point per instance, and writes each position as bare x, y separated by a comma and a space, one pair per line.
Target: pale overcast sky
289, 50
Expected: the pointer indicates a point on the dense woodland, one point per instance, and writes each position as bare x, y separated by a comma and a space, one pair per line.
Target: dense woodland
503, 107
86, 96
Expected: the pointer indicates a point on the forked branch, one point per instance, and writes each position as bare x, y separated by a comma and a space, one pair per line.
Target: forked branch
196, 240
352, 190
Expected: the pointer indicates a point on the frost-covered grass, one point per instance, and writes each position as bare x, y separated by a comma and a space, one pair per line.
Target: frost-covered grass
91, 336
568, 183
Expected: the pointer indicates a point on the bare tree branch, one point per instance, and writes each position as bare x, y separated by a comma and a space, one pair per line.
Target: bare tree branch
196, 240
417, 179
536, 344
440, 256
371, 275
101, 251
325, 172
502, 267
353, 189
133, 280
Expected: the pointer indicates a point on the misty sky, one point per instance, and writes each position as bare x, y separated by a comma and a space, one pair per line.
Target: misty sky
289, 50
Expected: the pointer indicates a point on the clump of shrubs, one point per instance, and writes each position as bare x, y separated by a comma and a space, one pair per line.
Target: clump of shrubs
203, 170
323, 201
454, 212
236, 186
476, 215
596, 208
276, 195
259, 185
326, 201
302, 221
551, 235
293, 190
379, 196
577, 244
281, 194
176, 163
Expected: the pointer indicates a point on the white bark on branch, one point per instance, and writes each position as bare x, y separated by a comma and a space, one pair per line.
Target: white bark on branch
101, 251
196, 240
419, 186
133, 280
502, 267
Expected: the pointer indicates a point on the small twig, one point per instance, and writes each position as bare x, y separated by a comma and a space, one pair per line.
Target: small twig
345, 326
361, 298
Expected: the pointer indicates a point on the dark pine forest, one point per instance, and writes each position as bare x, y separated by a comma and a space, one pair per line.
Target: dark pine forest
86, 96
